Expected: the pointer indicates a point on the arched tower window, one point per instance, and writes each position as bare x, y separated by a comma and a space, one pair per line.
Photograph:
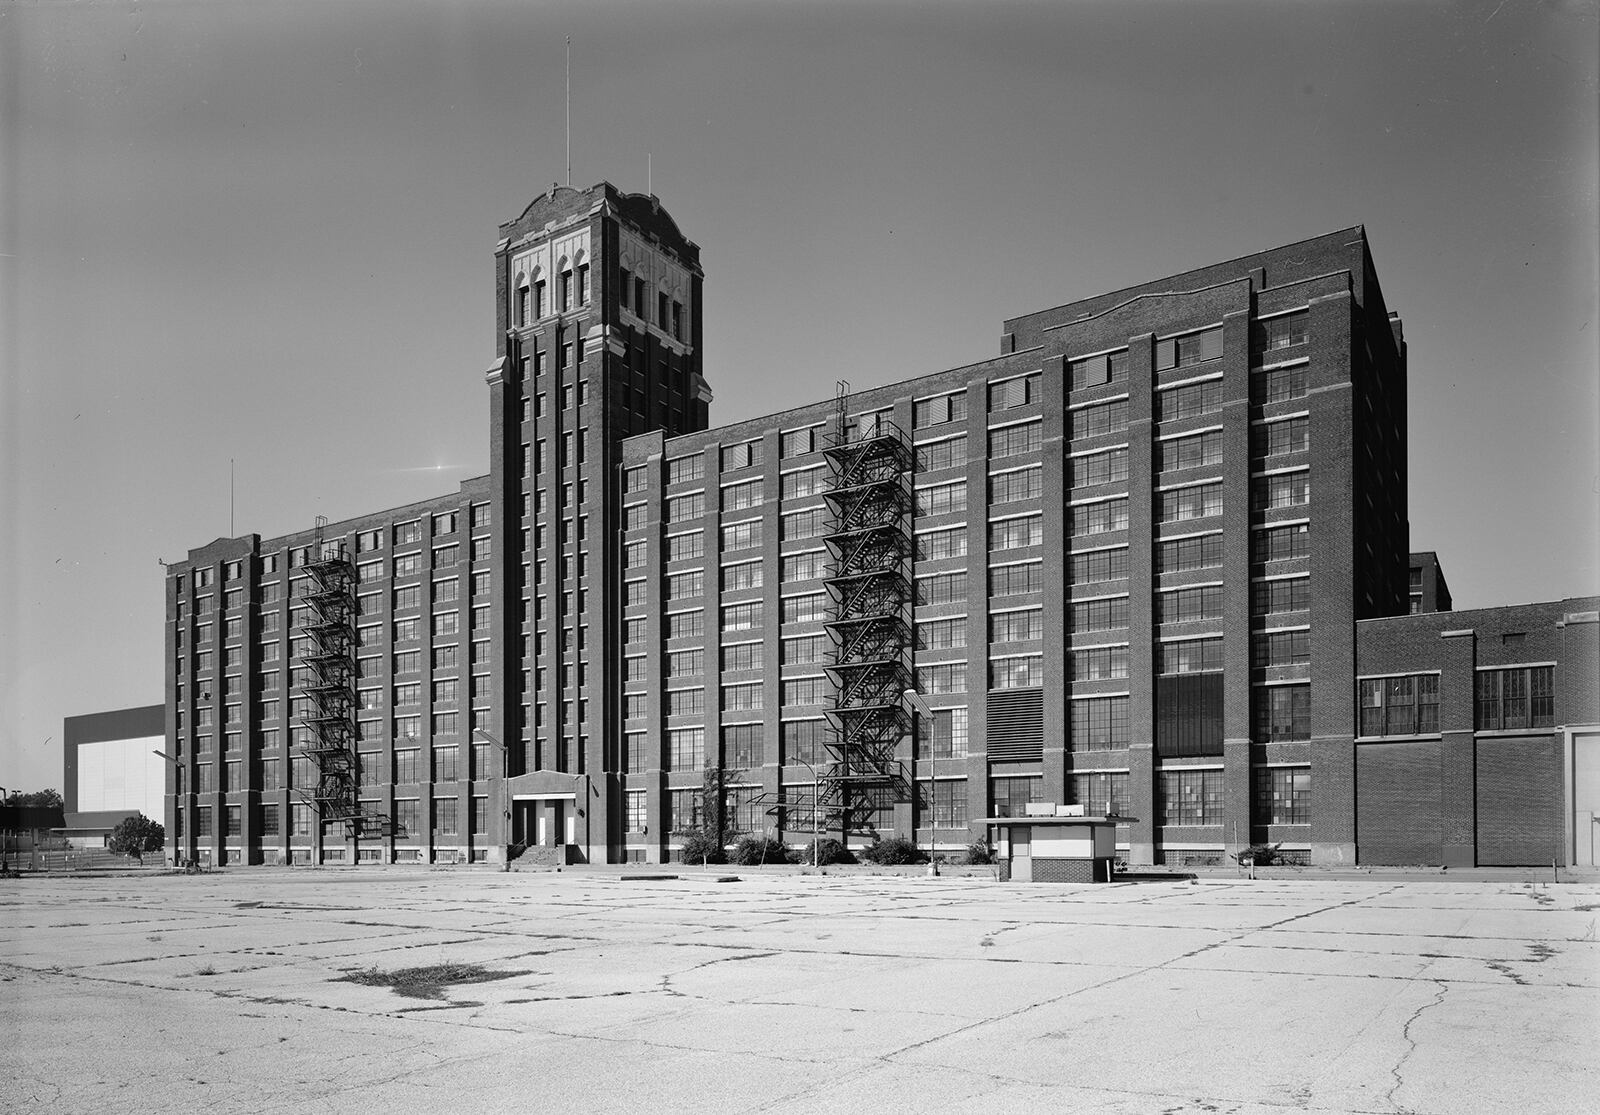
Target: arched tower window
524, 305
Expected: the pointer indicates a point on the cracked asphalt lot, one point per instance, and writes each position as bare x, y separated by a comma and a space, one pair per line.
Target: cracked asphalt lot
791, 993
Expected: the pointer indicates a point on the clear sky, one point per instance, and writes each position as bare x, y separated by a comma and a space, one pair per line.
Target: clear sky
264, 232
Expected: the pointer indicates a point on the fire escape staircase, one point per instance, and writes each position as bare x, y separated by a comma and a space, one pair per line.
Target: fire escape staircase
329, 721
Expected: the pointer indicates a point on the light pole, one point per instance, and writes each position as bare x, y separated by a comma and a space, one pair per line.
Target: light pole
917, 702
505, 797
816, 805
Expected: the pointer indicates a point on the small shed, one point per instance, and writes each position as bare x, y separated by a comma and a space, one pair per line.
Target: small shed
1059, 846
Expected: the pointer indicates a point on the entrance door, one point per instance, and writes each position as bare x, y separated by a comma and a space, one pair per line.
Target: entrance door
1022, 854
1585, 799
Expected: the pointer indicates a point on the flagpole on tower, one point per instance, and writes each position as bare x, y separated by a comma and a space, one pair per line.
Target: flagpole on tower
569, 110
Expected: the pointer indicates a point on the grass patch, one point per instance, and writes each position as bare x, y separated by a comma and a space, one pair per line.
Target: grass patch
428, 982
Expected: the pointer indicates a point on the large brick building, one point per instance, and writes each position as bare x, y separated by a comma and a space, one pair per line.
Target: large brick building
1128, 563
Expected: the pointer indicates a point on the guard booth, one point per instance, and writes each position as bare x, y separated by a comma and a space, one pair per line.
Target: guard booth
1056, 844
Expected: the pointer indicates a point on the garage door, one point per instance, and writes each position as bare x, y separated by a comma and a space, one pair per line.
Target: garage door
1397, 803
1519, 801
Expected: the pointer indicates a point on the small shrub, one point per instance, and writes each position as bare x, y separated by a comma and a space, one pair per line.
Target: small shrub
979, 853
892, 852
753, 851
699, 847
828, 850
1261, 855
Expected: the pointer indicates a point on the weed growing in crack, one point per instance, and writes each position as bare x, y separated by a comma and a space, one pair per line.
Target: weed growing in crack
428, 982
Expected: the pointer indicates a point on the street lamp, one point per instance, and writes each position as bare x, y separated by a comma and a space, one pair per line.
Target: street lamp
816, 805
505, 796
917, 702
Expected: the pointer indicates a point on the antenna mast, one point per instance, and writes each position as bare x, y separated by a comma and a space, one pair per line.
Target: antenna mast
569, 110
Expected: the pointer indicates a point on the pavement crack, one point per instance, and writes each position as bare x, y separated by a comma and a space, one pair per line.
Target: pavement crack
1411, 1046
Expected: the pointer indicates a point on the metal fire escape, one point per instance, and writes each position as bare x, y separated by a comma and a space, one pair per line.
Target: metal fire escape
330, 691
870, 543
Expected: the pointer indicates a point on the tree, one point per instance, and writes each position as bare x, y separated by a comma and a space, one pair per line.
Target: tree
137, 835
50, 799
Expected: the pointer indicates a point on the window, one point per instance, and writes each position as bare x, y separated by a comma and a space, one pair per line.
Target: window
661, 309
799, 650
942, 803
445, 592
1283, 331
1102, 794
741, 746
1014, 441
686, 702
1189, 797
803, 691
742, 656
685, 808
232, 817
1189, 656
1013, 795
408, 764
1189, 451
742, 617
804, 482
737, 497
808, 566
1101, 517
1009, 393
1018, 484
683, 547
1272, 439
1280, 648
1192, 348
1094, 566
946, 677
683, 585
685, 625
939, 634
802, 741
946, 453
1096, 371
947, 543
1195, 551
942, 499
686, 748
408, 565
1279, 543
1098, 615
1014, 534
1016, 672
1102, 418
1105, 467
1197, 501
745, 535
806, 608
1281, 712
942, 588
1097, 663
744, 575
744, 455
1189, 400
1283, 795
634, 479
1278, 384
406, 630
939, 410
944, 735
793, 443
1281, 489
1285, 594
1018, 626
691, 467
683, 508
405, 533
404, 599
634, 811
635, 516
1015, 580
1190, 603
446, 623
1521, 697
446, 764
